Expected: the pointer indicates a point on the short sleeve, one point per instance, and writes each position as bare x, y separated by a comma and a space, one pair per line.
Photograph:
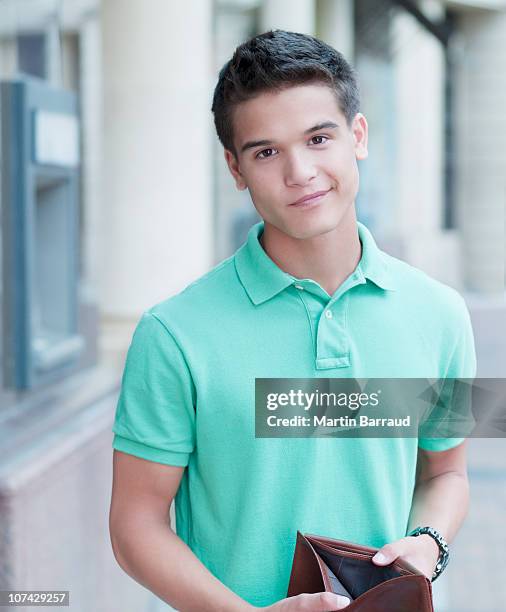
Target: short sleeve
462, 364
155, 414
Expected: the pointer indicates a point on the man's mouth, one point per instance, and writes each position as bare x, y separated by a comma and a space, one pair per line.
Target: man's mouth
309, 199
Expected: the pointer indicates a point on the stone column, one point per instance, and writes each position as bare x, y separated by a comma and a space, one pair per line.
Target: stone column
91, 133
480, 120
336, 25
157, 190
420, 67
288, 15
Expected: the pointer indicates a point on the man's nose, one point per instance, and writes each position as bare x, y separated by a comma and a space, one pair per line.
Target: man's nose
299, 170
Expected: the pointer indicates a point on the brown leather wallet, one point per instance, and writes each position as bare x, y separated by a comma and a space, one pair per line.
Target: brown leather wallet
325, 564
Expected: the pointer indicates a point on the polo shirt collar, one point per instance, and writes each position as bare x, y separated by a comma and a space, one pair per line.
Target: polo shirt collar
263, 279
374, 262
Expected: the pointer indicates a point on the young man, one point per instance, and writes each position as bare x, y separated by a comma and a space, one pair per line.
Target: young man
308, 295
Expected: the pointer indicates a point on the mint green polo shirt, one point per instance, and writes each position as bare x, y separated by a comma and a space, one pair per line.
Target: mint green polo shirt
187, 399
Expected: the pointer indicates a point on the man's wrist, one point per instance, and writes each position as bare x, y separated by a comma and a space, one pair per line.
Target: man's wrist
443, 551
431, 543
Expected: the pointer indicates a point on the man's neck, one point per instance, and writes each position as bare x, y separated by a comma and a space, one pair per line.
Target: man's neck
327, 259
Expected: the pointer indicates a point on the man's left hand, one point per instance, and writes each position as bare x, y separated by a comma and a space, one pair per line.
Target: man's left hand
421, 551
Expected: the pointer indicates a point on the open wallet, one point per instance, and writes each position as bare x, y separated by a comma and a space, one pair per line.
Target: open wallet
325, 564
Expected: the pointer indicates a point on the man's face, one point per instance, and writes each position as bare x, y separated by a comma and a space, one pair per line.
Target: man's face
294, 160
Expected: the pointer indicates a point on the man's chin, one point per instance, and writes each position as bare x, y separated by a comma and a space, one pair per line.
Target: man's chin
311, 230
305, 229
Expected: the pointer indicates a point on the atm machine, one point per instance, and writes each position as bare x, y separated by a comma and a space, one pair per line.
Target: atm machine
42, 340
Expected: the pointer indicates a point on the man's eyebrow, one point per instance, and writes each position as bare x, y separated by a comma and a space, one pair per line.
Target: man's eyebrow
251, 144
321, 126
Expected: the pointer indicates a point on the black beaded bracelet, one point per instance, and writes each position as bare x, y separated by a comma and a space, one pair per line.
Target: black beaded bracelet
444, 550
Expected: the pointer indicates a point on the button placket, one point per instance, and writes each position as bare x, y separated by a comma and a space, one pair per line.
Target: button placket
328, 328
332, 346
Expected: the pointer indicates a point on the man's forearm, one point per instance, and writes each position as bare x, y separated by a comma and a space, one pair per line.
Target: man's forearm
441, 502
151, 553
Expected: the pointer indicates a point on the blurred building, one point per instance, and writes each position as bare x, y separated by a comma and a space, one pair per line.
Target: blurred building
155, 207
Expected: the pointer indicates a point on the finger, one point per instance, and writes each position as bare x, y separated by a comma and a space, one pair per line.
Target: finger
319, 602
387, 554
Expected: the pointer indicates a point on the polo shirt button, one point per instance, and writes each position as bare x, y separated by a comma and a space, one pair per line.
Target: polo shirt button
299, 287
328, 314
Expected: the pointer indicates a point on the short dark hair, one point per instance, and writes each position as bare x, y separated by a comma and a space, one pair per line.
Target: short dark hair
275, 60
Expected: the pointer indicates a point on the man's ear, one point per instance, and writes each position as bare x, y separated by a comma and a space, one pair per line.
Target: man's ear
359, 130
233, 166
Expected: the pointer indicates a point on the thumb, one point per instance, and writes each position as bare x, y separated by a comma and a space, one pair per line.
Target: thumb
321, 602
384, 556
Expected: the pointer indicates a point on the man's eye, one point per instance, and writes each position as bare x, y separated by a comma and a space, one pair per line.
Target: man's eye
262, 155
269, 152
324, 139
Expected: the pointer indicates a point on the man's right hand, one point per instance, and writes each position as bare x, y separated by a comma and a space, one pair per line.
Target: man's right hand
309, 602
